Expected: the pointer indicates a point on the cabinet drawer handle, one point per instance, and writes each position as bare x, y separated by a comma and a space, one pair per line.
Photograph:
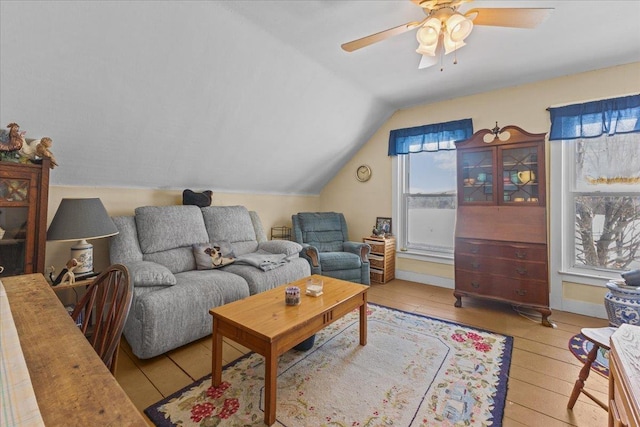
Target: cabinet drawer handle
521, 254
475, 265
475, 285
521, 292
521, 271
474, 249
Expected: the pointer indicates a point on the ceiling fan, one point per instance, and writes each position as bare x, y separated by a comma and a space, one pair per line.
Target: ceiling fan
445, 28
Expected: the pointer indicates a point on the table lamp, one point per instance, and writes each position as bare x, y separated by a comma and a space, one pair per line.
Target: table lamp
81, 219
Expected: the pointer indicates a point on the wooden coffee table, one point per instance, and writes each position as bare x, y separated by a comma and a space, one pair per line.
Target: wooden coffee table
266, 325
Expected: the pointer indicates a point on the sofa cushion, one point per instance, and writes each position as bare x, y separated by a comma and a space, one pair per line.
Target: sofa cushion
176, 260
233, 224
331, 261
260, 281
146, 273
287, 247
161, 228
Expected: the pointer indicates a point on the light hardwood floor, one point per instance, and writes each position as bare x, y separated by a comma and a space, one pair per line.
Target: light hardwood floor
541, 376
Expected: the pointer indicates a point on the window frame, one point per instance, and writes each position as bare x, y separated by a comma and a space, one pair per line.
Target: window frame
400, 181
562, 224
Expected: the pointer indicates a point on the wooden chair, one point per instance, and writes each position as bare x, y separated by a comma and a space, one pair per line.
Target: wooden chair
103, 311
600, 339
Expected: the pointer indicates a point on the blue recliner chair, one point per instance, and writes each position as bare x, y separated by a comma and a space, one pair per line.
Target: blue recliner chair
324, 238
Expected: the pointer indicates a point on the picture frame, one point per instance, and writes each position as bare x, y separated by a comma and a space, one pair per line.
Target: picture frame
384, 224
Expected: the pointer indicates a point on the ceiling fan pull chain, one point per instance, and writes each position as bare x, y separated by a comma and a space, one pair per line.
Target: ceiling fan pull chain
455, 55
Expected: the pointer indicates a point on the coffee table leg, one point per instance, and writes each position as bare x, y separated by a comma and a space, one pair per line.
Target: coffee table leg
216, 358
270, 386
363, 321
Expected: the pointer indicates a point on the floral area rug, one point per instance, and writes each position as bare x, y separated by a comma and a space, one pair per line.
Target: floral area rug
414, 371
580, 347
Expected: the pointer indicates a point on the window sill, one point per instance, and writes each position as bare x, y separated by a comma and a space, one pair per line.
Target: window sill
591, 278
434, 257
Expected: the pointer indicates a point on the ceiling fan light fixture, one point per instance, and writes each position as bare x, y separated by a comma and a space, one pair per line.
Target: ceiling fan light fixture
459, 27
450, 45
429, 33
427, 50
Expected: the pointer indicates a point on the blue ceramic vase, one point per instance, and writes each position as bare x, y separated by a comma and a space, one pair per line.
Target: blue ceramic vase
622, 304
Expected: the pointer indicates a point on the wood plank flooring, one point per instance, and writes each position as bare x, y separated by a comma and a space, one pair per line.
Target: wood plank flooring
541, 376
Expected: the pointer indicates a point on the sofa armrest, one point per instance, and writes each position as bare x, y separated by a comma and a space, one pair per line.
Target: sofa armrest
281, 247
148, 273
360, 249
310, 253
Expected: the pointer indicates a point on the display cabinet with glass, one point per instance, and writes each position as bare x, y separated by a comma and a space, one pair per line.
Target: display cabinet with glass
24, 192
501, 227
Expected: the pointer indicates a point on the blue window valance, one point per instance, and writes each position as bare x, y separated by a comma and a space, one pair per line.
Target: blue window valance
593, 119
435, 137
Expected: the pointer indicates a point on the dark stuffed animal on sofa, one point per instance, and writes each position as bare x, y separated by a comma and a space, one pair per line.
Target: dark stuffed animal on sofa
202, 199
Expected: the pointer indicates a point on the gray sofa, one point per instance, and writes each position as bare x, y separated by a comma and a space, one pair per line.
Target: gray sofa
171, 296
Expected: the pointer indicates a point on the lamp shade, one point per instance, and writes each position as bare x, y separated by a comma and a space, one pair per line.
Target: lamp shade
459, 27
81, 219
430, 32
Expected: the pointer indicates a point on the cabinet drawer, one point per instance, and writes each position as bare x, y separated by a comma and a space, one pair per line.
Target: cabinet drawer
376, 261
516, 269
512, 289
492, 248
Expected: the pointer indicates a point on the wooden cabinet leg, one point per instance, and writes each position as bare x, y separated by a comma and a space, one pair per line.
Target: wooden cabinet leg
458, 302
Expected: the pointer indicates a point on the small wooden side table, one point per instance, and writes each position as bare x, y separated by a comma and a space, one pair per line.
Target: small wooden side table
382, 258
77, 284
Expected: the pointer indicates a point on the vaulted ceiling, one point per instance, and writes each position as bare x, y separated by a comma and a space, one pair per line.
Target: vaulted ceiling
257, 96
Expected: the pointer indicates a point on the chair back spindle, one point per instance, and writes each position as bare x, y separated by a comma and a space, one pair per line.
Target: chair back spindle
104, 308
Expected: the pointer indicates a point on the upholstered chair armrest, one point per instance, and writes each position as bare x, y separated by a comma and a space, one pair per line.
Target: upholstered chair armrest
281, 247
148, 273
360, 249
310, 253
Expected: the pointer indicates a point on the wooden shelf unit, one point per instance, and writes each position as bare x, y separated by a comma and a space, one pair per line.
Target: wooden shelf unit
501, 248
24, 197
382, 259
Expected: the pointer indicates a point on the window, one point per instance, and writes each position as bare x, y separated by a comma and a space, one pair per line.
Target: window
429, 201
595, 205
605, 202
425, 186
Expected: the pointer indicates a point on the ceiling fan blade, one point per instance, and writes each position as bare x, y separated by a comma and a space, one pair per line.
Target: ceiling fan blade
382, 35
427, 61
510, 17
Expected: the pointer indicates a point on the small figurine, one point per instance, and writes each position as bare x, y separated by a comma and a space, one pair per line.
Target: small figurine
15, 140
42, 150
69, 276
28, 150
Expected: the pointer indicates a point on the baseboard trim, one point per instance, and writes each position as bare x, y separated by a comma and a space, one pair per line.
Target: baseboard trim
425, 279
584, 308
571, 306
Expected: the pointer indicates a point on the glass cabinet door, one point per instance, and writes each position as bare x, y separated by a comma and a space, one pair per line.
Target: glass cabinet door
14, 217
477, 176
520, 176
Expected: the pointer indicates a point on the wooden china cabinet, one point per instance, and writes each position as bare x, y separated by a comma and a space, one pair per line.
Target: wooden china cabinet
24, 194
501, 226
